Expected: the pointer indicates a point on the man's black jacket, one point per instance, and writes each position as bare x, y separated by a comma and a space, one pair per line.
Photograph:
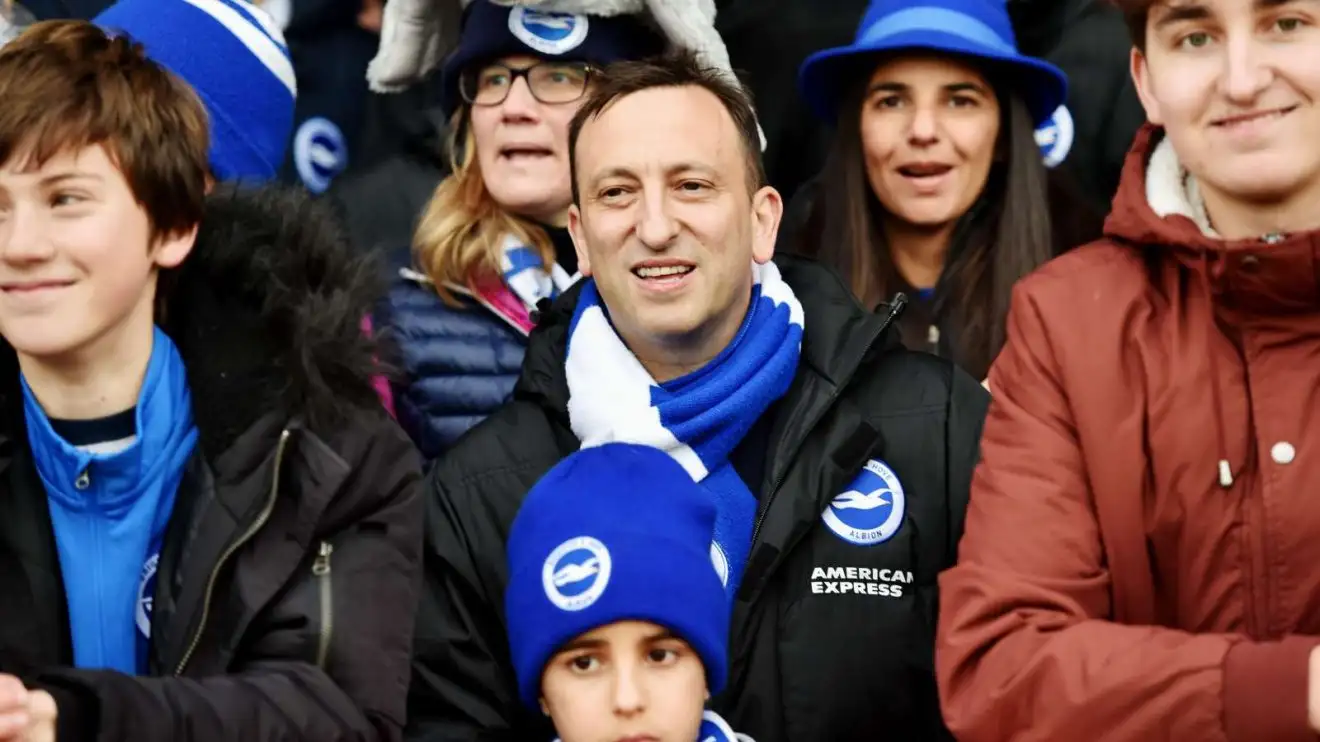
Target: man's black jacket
830, 641
288, 576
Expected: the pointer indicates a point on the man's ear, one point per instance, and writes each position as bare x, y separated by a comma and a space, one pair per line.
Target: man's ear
767, 213
1139, 66
579, 240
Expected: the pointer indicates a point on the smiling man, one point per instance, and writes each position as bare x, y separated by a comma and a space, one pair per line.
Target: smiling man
1141, 541
837, 461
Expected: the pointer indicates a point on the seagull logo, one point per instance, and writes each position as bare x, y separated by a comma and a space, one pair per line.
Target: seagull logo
546, 32
570, 573
549, 20
854, 500
576, 573
871, 510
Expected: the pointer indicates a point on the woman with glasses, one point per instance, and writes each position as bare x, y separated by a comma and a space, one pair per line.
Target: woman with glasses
492, 242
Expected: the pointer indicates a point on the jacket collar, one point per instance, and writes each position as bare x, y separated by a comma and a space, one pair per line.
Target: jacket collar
266, 313
1158, 207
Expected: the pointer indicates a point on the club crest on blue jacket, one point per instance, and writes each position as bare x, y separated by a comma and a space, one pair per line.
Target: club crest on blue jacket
146, 596
1055, 137
576, 573
548, 33
870, 511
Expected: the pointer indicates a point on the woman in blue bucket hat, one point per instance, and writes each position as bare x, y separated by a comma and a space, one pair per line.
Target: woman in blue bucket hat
935, 185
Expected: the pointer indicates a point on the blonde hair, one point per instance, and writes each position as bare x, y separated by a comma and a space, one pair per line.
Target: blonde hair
460, 238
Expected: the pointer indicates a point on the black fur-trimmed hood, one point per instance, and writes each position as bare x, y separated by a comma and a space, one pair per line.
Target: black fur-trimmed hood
267, 313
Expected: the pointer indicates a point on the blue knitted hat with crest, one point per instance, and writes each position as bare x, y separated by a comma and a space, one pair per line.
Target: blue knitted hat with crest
618, 532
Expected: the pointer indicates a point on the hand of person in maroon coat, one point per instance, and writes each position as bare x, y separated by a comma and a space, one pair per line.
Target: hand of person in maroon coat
1313, 691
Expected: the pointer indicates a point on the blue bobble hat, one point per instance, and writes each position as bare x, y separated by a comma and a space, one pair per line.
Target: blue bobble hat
613, 533
234, 56
492, 31
974, 28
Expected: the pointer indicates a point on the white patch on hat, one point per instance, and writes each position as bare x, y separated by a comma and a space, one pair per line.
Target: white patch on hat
548, 33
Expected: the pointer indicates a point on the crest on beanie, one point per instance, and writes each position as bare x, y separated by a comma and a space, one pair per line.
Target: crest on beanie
720, 562
546, 32
576, 573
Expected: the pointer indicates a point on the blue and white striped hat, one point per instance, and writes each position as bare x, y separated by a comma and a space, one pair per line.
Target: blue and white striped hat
234, 56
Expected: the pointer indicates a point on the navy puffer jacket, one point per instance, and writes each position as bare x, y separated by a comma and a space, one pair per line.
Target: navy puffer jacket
457, 364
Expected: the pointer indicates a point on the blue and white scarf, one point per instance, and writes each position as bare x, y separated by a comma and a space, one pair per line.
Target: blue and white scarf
526, 275
698, 418
715, 729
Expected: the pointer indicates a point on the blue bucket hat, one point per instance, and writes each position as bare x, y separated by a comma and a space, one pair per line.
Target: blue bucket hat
975, 28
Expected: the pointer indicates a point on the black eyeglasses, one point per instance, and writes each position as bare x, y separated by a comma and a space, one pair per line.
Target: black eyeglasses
550, 82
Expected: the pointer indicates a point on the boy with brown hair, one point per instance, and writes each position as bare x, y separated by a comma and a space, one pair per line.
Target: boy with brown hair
1142, 534
195, 474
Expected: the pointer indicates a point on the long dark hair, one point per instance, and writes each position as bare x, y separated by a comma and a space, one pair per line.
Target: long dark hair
1004, 236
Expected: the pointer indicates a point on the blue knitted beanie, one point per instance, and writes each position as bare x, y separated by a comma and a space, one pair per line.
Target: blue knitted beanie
491, 31
232, 54
613, 533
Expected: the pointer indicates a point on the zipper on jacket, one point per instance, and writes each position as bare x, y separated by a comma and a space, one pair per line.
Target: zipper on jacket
895, 308
256, 526
321, 569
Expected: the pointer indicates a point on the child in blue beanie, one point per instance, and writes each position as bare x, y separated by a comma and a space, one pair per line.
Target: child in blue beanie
618, 620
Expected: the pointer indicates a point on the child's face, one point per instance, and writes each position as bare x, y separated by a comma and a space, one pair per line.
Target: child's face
77, 260
631, 680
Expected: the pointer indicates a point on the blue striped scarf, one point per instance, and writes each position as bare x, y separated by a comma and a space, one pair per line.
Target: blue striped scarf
698, 418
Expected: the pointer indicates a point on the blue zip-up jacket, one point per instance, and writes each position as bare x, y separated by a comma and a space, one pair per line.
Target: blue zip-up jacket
109, 513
